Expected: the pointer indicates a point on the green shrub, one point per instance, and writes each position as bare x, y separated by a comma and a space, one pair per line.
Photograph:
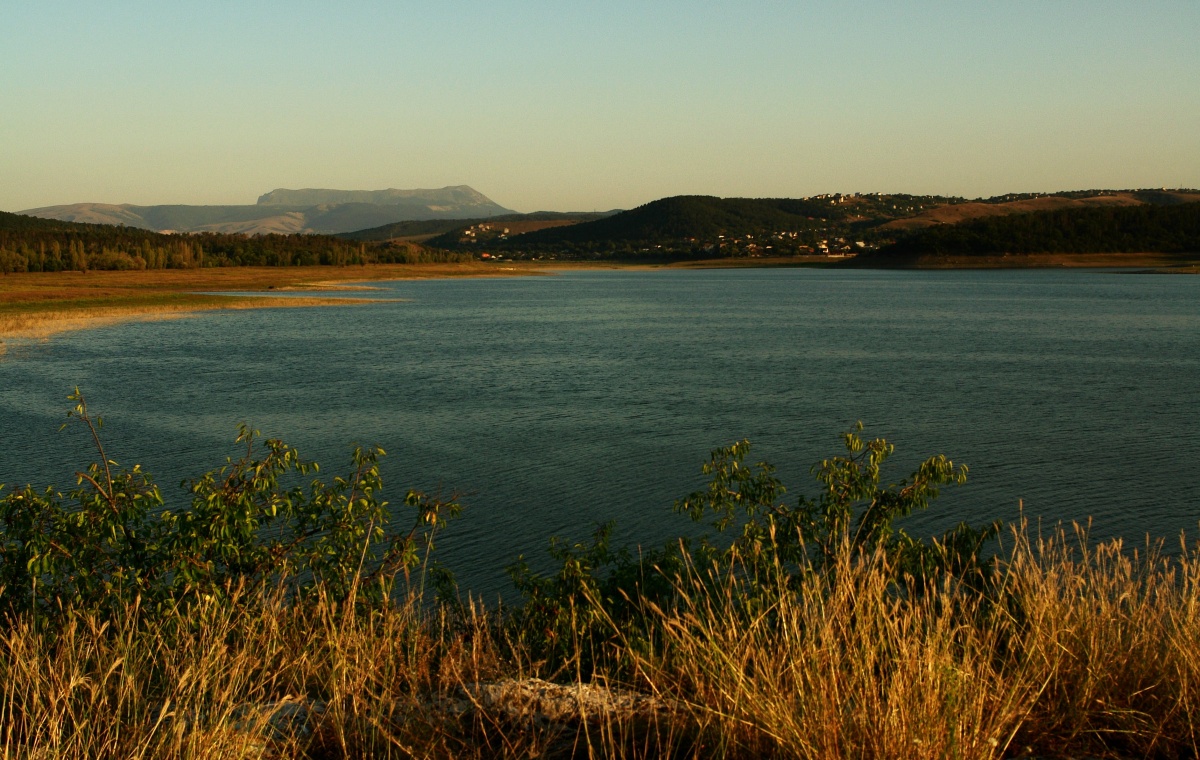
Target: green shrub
114, 540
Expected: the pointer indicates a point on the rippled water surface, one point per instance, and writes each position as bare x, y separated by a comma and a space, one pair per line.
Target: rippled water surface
558, 402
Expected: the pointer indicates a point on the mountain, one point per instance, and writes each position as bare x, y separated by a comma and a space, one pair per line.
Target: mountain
285, 211
456, 196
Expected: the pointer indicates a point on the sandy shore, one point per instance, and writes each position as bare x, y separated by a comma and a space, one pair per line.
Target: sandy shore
44, 323
36, 305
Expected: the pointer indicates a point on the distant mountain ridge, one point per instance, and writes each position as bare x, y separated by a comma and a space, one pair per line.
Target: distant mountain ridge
283, 211
454, 195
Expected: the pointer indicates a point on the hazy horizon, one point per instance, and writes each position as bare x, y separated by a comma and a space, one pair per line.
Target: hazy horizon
546, 107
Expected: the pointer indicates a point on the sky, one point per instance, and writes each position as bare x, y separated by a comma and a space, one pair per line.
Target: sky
574, 106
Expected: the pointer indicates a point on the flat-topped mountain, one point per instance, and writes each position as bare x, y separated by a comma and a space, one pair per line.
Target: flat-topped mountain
285, 211
455, 196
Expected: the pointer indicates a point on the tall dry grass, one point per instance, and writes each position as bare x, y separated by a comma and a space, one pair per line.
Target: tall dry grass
1108, 641
249, 679
844, 667
1075, 650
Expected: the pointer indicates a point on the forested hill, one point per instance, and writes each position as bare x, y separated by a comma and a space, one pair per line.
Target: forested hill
1118, 229
703, 226
687, 216
695, 216
49, 245
706, 225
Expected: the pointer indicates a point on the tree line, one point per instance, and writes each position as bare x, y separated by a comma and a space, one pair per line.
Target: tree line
1123, 229
28, 244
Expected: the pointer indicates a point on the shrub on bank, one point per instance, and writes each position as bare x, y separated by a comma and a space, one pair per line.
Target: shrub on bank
251, 524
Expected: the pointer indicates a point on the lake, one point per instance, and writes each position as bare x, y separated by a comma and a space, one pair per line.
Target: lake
559, 402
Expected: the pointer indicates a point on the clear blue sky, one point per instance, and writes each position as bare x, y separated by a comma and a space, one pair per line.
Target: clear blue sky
581, 106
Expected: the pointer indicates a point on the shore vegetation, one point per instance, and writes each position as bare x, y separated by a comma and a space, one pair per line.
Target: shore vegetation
271, 610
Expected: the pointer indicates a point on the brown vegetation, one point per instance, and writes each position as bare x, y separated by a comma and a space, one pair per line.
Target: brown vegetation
1079, 650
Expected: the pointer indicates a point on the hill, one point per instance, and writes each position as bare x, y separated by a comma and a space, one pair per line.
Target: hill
288, 211
680, 227
706, 226
1006, 205
697, 225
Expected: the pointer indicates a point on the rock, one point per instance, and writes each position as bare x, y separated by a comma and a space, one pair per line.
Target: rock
283, 721
544, 702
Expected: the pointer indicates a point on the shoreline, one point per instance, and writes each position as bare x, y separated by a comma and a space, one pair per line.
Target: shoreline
35, 306
38, 305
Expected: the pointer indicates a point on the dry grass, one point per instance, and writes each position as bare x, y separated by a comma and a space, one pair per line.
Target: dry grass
1081, 651
215, 683
1078, 651
842, 669
1109, 641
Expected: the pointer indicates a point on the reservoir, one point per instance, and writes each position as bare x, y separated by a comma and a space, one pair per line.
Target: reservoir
555, 403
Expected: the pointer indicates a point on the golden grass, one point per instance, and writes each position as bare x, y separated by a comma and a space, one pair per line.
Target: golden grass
205, 686
1081, 651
